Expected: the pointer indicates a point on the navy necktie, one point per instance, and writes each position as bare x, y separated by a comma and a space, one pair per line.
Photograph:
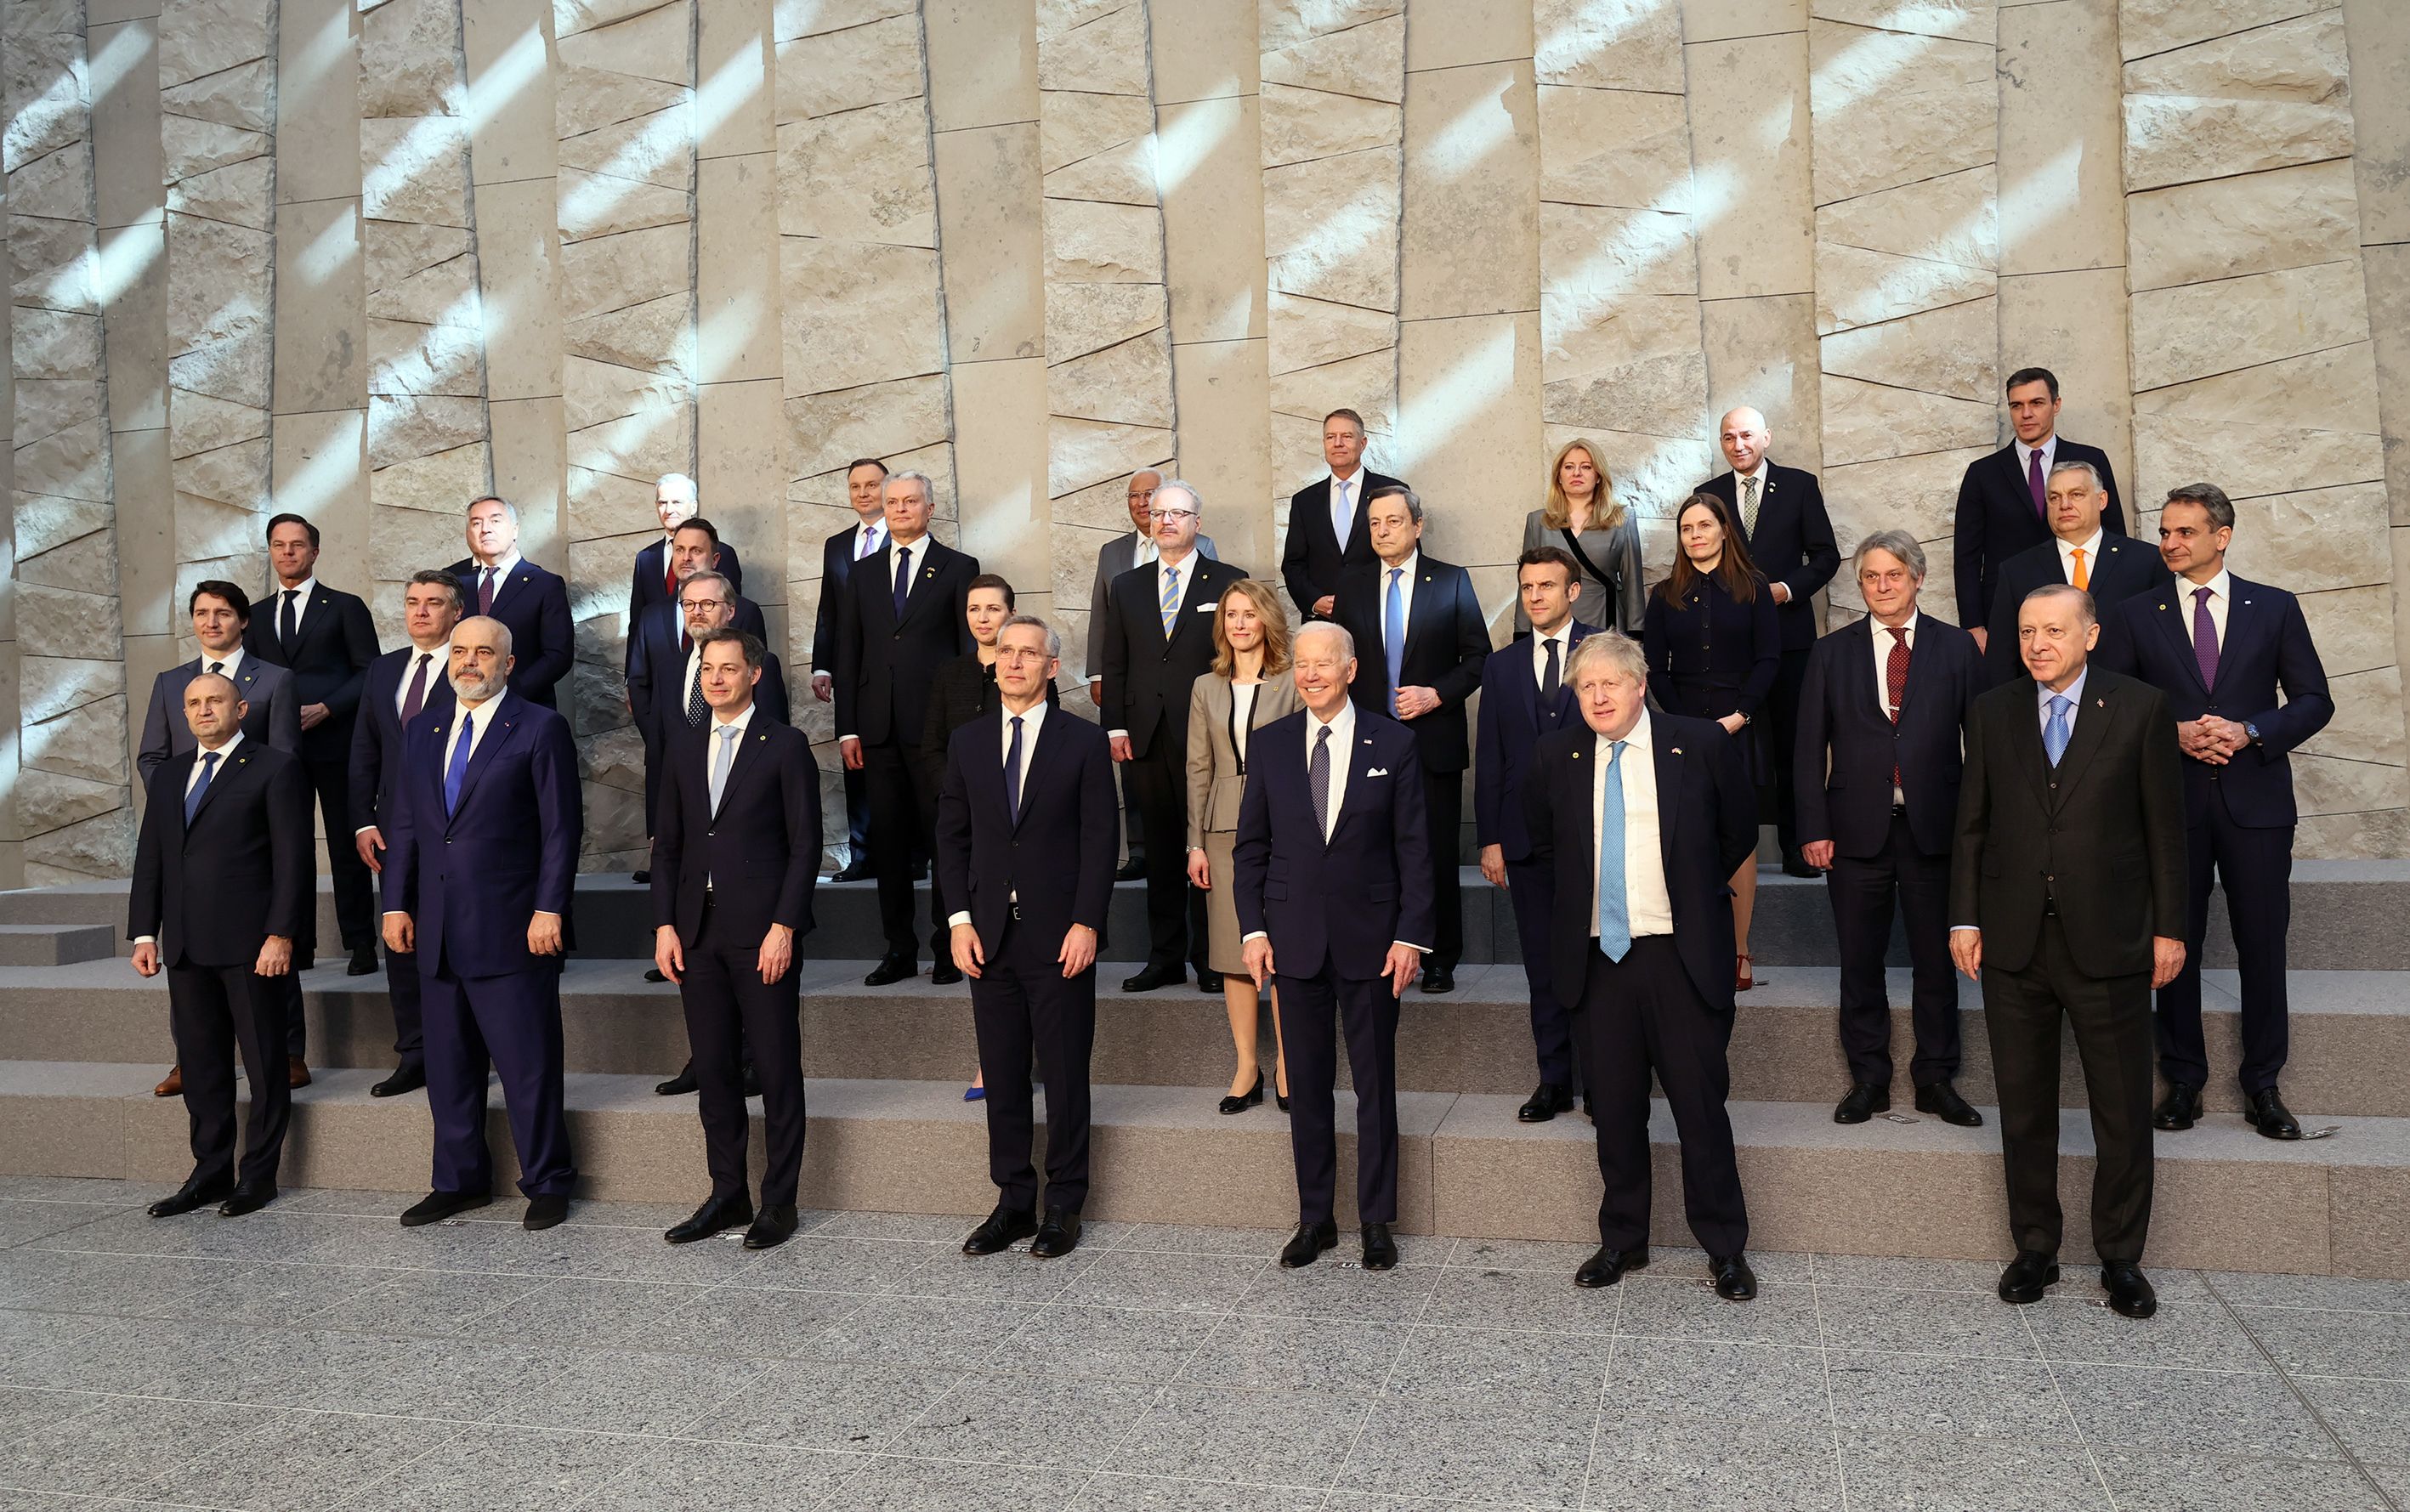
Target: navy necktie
1318, 774
193, 799
903, 577
288, 628
1013, 774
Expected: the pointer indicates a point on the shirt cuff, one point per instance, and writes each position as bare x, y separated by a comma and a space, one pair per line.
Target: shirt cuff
955, 920
1256, 935
1955, 929
146, 939
394, 912
849, 737
362, 830
1419, 949
1117, 735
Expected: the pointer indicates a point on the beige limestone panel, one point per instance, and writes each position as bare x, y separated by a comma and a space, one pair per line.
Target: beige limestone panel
88, 565
613, 273
1892, 108
732, 61
320, 463
2380, 108
1603, 44
1301, 124
2324, 785
197, 422
828, 430
530, 462
1222, 391
658, 335
833, 291
2258, 223
100, 12
1081, 453
612, 505
1952, 351
870, 174
1123, 175
58, 184
1000, 443
445, 294
50, 264
320, 330
124, 125
1095, 243
1312, 333
2386, 270
742, 458
588, 99
1470, 244
1204, 49
409, 59
518, 250
218, 278
72, 463
992, 228
2069, 324
657, 45
1469, 429
2302, 58
240, 193
1367, 384
1503, 31
417, 170
422, 359
2353, 629
201, 37
192, 146
1331, 228
2153, 26
1915, 493
1856, 287
1952, 218
234, 368
1103, 53
982, 61
1969, 21
2172, 138
1614, 147
1602, 253
514, 129
1763, 352
2196, 331
2276, 450
1088, 317
403, 425
242, 97
2060, 137
49, 344
848, 69
2318, 539
137, 328
1750, 137
642, 446
1868, 422
1075, 126
593, 392
2367, 726
1367, 61
1285, 22
442, 484
1125, 385
738, 281
1212, 219
598, 205
652, 148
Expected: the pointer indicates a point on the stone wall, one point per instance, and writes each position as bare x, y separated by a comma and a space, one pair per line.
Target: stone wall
366, 260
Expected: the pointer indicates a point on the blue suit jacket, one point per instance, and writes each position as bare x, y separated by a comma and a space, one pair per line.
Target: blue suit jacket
1340, 902
2267, 647
1842, 715
1511, 725
274, 720
535, 604
507, 852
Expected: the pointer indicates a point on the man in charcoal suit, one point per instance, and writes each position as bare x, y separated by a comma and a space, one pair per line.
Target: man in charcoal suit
656, 581
2004, 499
2082, 552
1326, 518
838, 553
532, 603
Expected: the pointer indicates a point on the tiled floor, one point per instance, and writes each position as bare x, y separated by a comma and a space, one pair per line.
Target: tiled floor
319, 1355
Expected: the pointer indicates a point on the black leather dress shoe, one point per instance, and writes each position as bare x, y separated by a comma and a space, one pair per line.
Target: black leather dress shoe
856, 871
545, 1211
717, 1215
245, 1198
1734, 1281
192, 1195
407, 1077
2179, 1109
363, 963
1547, 1100
773, 1227
1380, 1247
678, 1085
1154, 976
1306, 1245
1132, 870
1862, 1102
1210, 982
1606, 1267
748, 1082
892, 968
2129, 1291
2268, 1113
639, 876
654, 973
1058, 1236
2027, 1276
437, 1206
1439, 978
943, 972
1795, 865
1002, 1228
1942, 1102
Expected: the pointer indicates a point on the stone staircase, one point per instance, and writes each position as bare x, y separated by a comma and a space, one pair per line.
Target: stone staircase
83, 1039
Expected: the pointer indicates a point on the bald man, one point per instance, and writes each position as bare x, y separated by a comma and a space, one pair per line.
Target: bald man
676, 501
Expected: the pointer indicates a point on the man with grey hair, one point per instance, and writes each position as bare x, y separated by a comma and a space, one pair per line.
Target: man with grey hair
534, 603
675, 502
2082, 552
1878, 822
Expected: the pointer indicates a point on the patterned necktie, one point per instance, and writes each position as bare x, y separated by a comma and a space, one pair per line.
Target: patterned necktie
1614, 916
1551, 679
2033, 482
193, 799
1013, 774
460, 765
1896, 683
415, 699
695, 705
486, 592
721, 759
2204, 638
869, 542
2055, 734
1393, 634
2082, 574
1170, 606
1748, 506
288, 625
1318, 774
903, 578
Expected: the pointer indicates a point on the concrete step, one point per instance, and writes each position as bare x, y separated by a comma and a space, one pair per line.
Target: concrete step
2226, 1198
55, 944
2345, 917
2351, 1031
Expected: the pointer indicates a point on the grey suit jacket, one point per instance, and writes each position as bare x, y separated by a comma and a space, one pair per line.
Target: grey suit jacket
274, 720
1618, 551
1114, 557
1215, 783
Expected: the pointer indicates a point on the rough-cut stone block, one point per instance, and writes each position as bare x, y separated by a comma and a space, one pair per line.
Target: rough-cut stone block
1596, 251
869, 174
1856, 287
1968, 21
51, 262
1763, 353
43, 524
617, 502
1892, 108
1868, 422
1301, 124
423, 359
2353, 629
2367, 726
1088, 317
569, 17
1331, 228
1082, 452
416, 169
192, 146
2175, 139
2258, 223
612, 272
446, 294
57, 184
1367, 384
1072, 127
53, 343
1915, 493
401, 427
656, 335
202, 37
1614, 147
1953, 350
642, 446
45, 405
407, 539
197, 422
1121, 175
2302, 58
1106, 55
100, 847
1312, 333
1749, 144
833, 291
1088, 242
1129, 384
1284, 22
875, 420
52, 800
990, 219
657, 45
242, 192
2148, 26
410, 59
43, 96
238, 370
594, 392
89, 742
595, 205
1367, 61
218, 281
588, 99
1952, 218
1609, 44
243, 97
2321, 538
87, 566
873, 64
50, 686
2323, 785
236, 474
210, 529
394, 252
656, 149
2193, 332
441, 483
55, 621
1665, 394
2307, 422
2386, 270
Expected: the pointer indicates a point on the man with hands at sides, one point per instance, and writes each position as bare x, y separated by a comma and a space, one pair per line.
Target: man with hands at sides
1027, 832
1332, 868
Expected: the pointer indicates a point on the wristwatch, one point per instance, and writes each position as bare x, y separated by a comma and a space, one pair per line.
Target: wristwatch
2252, 732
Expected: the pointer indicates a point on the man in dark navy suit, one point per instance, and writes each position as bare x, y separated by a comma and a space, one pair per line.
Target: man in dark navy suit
656, 581
221, 878
402, 687
1885, 701
1332, 868
1026, 835
2223, 649
482, 853
660, 658
1326, 518
1524, 696
2081, 551
2004, 499
734, 863
327, 639
1640, 818
863, 480
533, 604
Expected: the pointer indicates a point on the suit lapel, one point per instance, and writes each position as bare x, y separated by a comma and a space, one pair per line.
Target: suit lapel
1667, 759
1869, 696
488, 746
1359, 761
224, 775
754, 738
1418, 617
2173, 624
1035, 759
924, 573
2239, 613
2091, 728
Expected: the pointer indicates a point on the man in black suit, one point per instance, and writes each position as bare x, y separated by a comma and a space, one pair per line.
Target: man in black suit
1525, 696
1790, 537
863, 539
2222, 649
533, 604
326, 638
401, 685
1885, 700
734, 862
2066, 901
1026, 835
1424, 640
675, 502
222, 874
659, 663
901, 619
2081, 552
1158, 641
1326, 518
1333, 867
2004, 499
1640, 818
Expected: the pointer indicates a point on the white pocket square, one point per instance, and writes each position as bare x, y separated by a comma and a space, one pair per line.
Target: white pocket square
1207, 608
1378, 771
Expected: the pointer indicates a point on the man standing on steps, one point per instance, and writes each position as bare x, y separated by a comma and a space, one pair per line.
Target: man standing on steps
1026, 835
222, 881
2066, 901
2004, 501
481, 856
857, 542
675, 502
1326, 518
402, 687
2082, 552
1332, 868
532, 603
1885, 701
735, 853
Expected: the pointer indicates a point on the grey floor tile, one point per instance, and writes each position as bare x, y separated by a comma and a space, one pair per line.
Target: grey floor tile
432, 1304
21, 1223
1556, 1257
1683, 1262
961, 1334
458, 1379
891, 1485
1270, 1438
346, 1202
28, 1333
1487, 1364
1333, 1287
1542, 1300
602, 1314
1518, 1451
1297, 1354
1666, 1469
2220, 1483
1113, 1343
27, 1414
2333, 1342
2180, 1335
62, 1282
1023, 1419
914, 1228
299, 1459
213, 1360
616, 1393
90, 1451
1117, 1491
612, 1254
499, 1470
808, 1262
744, 1323
813, 1405
1909, 1275
287, 1293
2245, 1288
1879, 1398
1781, 1313
1180, 1239
2184, 1410
1923, 1322
1925, 1476
100, 1191
689, 1477
1163, 1280
1013, 1275
1718, 1382
2372, 1418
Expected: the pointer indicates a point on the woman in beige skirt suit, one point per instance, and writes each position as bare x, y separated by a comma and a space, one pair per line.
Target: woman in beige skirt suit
1248, 689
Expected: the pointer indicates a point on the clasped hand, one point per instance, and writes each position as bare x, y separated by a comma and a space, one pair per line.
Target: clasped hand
2212, 739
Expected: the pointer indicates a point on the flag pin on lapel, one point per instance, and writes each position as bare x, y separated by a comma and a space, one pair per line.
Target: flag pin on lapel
1678, 750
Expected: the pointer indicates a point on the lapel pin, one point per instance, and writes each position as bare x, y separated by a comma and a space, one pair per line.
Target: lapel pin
1678, 750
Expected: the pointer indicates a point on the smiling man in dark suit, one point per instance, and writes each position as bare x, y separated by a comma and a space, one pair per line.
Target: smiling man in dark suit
863, 480
533, 603
2223, 649
2083, 553
1326, 518
676, 501
2004, 499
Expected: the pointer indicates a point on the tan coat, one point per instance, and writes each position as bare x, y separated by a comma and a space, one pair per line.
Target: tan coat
1215, 783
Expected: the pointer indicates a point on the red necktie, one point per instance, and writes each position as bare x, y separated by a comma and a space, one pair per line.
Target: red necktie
669, 577
1896, 683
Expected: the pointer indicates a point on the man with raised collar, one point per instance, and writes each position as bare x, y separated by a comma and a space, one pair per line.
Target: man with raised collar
675, 502
1326, 518
1524, 697
2081, 552
1025, 838
2223, 649
838, 553
222, 880
326, 640
500, 584
1333, 867
403, 686
2004, 499
735, 858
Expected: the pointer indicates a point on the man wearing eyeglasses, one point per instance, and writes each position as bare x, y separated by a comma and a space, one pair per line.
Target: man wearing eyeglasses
1114, 557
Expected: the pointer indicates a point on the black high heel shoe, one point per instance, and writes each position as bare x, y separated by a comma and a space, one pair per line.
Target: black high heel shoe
1255, 1096
1281, 1098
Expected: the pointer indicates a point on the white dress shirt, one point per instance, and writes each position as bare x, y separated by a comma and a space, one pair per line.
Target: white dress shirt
1883, 641
437, 669
2049, 449
711, 756
2221, 594
477, 727
1563, 641
1342, 752
1179, 572
1143, 551
1030, 723
1408, 569
1647, 905
229, 665
501, 571
2066, 550
300, 604
866, 537
225, 753
920, 550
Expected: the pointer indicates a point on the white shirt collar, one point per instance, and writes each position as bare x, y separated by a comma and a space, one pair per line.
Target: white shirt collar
2090, 546
2221, 588
224, 752
1765, 466
1342, 724
715, 723
305, 588
1635, 741
1351, 481
1413, 562
501, 569
232, 660
2049, 449
1030, 721
1882, 630
483, 713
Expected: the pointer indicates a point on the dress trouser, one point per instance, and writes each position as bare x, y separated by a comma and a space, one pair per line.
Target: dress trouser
1313, 1009
1443, 803
2255, 869
214, 1014
1782, 712
857, 815
1022, 1008
1532, 889
1640, 1014
511, 1024
727, 1008
1864, 890
903, 813
1175, 911
403, 989
2111, 1017
355, 917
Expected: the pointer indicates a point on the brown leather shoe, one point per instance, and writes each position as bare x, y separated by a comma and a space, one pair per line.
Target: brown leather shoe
170, 1086
297, 1071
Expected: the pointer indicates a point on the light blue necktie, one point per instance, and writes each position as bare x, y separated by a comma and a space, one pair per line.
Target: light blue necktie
1393, 634
193, 799
1614, 918
720, 760
2055, 734
1343, 513
459, 767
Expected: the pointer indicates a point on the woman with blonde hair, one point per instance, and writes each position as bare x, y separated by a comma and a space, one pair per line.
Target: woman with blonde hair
1247, 689
1584, 518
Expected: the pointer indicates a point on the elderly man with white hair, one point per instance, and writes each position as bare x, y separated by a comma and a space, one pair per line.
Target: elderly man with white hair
677, 500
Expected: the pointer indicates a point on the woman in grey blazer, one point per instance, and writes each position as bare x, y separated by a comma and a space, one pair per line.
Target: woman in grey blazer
1583, 517
1248, 689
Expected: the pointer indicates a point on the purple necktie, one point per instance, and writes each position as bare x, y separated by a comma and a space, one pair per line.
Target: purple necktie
416, 700
2033, 481
2204, 638
485, 593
